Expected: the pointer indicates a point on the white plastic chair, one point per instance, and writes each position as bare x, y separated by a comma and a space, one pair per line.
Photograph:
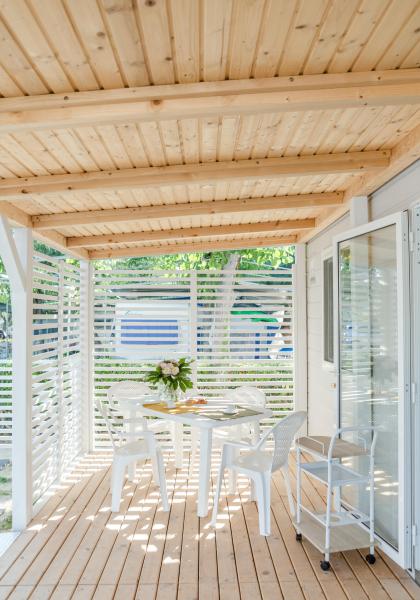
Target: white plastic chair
259, 464
140, 391
243, 395
128, 454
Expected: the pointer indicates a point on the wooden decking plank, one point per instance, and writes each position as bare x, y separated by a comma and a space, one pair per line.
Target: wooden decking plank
104, 592
156, 543
21, 592
55, 542
115, 563
146, 591
98, 559
83, 592
188, 571
226, 562
241, 544
138, 545
125, 592
63, 592
5, 590
70, 545
39, 521
29, 554
171, 558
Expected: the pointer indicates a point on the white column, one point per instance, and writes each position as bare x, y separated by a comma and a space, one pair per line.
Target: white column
17, 253
300, 329
86, 316
359, 211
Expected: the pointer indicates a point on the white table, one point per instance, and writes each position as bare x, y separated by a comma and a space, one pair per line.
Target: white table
206, 425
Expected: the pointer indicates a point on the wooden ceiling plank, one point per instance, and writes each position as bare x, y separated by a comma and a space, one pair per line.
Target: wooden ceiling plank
246, 20
65, 42
190, 232
302, 34
216, 17
210, 173
276, 23
26, 30
190, 209
121, 20
186, 42
336, 22
157, 103
93, 34
154, 24
194, 247
388, 29
364, 22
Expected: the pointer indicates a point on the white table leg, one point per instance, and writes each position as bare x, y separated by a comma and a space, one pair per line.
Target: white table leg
131, 429
178, 444
204, 476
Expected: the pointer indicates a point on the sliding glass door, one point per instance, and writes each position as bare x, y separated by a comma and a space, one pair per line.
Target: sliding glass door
373, 353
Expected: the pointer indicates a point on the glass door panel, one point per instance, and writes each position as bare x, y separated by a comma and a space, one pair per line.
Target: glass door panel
372, 366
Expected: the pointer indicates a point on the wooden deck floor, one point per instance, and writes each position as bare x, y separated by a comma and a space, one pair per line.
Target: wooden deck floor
75, 548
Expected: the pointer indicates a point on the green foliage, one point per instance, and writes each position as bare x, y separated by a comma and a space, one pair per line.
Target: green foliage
179, 378
251, 258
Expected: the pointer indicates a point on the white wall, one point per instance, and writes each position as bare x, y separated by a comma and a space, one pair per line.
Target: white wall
399, 194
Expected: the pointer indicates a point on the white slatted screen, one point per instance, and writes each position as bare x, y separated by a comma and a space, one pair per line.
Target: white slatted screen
237, 325
56, 368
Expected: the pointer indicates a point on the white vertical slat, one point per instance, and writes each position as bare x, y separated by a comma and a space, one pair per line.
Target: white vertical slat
22, 382
87, 333
300, 330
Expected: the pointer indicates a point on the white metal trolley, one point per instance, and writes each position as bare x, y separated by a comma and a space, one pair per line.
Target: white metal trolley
343, 528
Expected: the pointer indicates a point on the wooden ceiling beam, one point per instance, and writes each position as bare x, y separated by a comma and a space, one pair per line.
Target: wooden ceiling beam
209, 246
202, 173
405, 153
189, 232
240, 97
53, 238
187, 209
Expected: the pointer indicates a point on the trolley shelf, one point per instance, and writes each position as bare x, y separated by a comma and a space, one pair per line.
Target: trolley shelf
343, 538
340, 475
338, 519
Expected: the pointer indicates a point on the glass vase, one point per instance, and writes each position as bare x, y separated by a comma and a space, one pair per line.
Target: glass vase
167, 394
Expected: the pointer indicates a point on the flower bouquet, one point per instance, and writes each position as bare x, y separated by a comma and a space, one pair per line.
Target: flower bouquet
170, 376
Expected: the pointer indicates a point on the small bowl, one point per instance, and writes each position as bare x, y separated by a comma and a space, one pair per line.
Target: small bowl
230, 410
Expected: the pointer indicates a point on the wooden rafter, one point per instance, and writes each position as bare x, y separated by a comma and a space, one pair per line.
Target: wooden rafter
248, 96
202, 173
190, 232
51, 237
402, 156
194, 247
187, 209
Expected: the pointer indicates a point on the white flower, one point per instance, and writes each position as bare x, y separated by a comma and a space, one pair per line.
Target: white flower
175, 370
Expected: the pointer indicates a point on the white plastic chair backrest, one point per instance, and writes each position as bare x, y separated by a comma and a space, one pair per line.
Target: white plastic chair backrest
246, 394
127, 390
284, 433
110, 416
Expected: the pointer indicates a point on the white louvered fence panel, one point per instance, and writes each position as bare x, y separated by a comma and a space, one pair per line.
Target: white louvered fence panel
56, 367
237, 325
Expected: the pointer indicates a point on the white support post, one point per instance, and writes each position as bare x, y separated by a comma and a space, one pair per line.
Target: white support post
359, 211
300, 329
17, 254
86, 316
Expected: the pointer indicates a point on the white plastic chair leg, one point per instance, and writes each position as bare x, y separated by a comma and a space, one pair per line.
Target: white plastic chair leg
267, 502
231, 454
117, 481
155, 468
285, 472
217, 493
161, 478
259, 489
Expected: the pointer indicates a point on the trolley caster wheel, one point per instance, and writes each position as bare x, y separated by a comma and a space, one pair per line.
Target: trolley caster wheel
325, 565
371, 559
298, 537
